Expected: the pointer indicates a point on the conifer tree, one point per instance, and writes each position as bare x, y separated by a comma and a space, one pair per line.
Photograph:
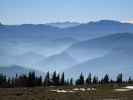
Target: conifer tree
95, 80
47, 79
62, 81
130, 80
80, 81
71, 81
88, 80
106, 79
119, 78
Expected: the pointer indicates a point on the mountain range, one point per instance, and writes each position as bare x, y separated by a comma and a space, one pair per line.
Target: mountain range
118, 56
63, 24
99, 47
81, 31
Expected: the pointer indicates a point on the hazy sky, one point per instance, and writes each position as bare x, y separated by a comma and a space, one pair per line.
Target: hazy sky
42, 11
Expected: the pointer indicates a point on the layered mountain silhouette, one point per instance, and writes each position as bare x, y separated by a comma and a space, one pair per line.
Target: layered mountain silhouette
97, 47
28, 59
57, 62
112, 63
81, 31
118, 56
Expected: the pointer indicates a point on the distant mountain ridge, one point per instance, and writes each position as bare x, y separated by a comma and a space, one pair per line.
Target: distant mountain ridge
74, 48
113, 63
63, 24
81, 31
57, 62
118, 56
98, 47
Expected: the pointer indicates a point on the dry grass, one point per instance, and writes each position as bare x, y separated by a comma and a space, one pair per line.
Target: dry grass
40, 93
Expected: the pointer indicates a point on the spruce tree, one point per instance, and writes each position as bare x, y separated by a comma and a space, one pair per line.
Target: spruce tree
71, 81
88, 80
54, 78
47, 80
62, 81
106, 79
119, 78
80, 81
129, 80
95, 80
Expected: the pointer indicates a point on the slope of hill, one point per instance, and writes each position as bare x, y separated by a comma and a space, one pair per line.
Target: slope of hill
27, 31
57, 62
98, 47
11, 71
113, 63
28, 59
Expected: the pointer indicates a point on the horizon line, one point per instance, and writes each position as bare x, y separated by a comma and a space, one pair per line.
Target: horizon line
80, 22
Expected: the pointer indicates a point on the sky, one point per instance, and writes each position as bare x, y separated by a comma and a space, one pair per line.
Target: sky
45, 11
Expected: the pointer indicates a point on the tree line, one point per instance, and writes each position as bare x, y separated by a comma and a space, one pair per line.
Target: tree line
56, 79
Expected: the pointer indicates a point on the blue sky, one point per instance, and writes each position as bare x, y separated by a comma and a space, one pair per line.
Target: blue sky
43, 11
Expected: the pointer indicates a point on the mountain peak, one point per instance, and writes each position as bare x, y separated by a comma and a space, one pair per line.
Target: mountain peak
108, 22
